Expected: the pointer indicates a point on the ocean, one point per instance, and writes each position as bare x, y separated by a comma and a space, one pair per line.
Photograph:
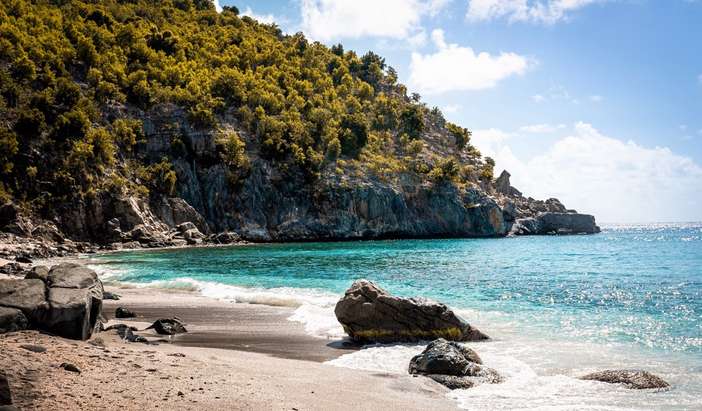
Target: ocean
556, 307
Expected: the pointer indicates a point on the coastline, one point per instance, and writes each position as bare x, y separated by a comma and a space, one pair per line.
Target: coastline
274, 365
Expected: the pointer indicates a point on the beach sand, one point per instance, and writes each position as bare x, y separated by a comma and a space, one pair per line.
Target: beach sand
235, 356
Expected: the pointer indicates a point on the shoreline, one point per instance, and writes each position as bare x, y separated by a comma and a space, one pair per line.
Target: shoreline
273, 365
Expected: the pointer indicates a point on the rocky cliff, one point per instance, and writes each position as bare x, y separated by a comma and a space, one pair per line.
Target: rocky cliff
141, 123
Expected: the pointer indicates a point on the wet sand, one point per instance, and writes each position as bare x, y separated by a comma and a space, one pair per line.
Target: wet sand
269, 363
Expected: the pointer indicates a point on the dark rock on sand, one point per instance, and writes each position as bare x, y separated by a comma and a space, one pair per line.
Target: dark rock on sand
127, 334
369, 313
122, 312
70, 367
120, 326
75, 297
12, 319
33, 348
5, 394
110, 296
634, 379
453, 365
168, 326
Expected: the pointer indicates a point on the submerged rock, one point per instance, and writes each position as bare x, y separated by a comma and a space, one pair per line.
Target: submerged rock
634, 379
453, 365
369, 313
168, 326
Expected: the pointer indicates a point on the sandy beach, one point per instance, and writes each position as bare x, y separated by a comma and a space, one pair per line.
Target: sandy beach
235, 356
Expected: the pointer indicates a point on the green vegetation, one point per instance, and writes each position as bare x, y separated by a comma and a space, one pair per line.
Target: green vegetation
77, 79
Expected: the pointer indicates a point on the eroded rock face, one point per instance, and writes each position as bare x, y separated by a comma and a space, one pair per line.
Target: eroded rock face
369, 313
453, 365
556, 223
634, 379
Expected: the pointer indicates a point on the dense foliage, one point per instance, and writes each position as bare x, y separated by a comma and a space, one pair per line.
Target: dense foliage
67, 66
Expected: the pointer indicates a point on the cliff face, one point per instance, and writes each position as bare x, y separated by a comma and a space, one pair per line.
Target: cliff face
268, 204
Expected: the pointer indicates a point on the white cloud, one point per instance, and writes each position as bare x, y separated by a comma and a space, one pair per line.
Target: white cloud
535, 11
616, 181
454, 67
327, 20
418, 40
542, 128
262, 18
596, 98
451, 108
538, 98
218, 7
559, 93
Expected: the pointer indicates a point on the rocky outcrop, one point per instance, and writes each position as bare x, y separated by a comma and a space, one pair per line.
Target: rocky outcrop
634, 379
370, 314
453, 365
68, 303
556, 223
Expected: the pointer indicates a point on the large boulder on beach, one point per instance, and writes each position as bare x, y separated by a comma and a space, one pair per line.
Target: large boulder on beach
5, 394
453, 365
67, 302
634, 379
29, 296
369, 313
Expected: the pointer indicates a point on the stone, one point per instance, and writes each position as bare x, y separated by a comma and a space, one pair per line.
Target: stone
127, 334
71, 275
33, 348
226, 238
70, 367
634, 379
74, 312
26, 295
453, 365
23, 258
369, 313
107, 295
566, 223
122, 312
5, 394
120, 326
39, 272
168, 326
12, 319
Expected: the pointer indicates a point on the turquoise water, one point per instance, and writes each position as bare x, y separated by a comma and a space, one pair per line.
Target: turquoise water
638, 284
557, 307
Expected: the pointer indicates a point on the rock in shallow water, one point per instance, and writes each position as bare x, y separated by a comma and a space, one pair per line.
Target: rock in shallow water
634, 379
369, 313
453, 365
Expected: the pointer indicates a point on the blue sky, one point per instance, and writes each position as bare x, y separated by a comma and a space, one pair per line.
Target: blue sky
596, 102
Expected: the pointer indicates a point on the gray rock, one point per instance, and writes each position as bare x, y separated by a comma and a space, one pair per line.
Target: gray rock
70, 367
5, 394
33, 348
556, 223
12, 319
26, 295
122, 312
369, 313
107, 295
74, 312
634, 379
453, 365
39, 272
71, 275
168, 326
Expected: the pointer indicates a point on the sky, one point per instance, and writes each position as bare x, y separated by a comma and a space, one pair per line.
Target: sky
595, 102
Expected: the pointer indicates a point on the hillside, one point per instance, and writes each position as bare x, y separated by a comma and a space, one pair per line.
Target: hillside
123, 119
